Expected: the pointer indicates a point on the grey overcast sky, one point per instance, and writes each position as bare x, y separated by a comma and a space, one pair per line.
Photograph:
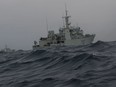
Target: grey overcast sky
23, 21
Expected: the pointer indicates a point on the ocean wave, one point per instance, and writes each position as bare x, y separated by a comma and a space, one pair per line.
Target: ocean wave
84, 66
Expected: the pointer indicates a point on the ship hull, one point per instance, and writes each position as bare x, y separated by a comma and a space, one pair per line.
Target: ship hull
78, 42
72, 42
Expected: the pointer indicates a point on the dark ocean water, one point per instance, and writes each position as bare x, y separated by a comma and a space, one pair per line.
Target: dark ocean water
88, 66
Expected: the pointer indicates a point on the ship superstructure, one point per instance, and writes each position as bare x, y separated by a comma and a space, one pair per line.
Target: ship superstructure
67, 36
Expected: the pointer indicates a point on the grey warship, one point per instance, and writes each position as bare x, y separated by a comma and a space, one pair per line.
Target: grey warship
67, 36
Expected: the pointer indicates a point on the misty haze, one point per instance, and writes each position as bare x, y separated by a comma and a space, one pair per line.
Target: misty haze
80, 53
23, 21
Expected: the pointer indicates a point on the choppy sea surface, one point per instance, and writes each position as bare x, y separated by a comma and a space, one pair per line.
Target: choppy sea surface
85, 66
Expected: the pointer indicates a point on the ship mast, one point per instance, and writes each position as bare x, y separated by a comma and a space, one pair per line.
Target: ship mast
67, 25
47, 24
67, 18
